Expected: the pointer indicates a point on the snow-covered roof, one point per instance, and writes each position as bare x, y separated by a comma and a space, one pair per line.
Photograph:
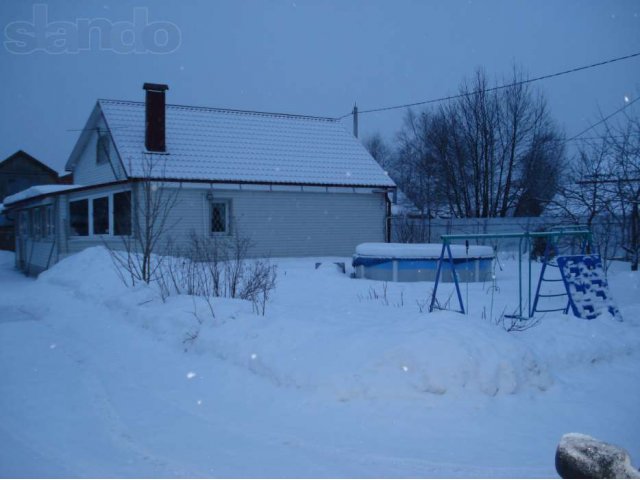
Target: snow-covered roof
241, 146
36, 191
420, 250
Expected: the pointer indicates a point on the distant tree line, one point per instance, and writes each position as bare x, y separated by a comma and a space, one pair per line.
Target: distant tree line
603, 183
497, 152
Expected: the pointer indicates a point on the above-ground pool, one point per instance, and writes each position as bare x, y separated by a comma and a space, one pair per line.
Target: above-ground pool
404, 262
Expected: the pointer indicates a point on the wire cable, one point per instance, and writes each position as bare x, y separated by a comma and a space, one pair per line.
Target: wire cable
626, 105
499, 87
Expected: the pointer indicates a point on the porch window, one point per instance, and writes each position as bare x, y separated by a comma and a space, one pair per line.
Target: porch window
122, 213
101, 216
23, 223
220, 217
47, 221
36, 223
79, 217
52, 220
104, 215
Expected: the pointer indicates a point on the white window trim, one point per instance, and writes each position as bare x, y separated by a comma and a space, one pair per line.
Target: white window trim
90, 233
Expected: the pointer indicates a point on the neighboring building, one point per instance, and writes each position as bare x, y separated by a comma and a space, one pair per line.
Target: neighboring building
295, 185
19, 172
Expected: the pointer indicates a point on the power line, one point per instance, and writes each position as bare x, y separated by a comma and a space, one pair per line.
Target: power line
626, 105
499, 87
604, 137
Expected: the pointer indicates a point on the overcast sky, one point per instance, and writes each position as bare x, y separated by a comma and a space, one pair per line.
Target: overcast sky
307, 57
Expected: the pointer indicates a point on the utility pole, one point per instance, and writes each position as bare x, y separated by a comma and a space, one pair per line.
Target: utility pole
355, 120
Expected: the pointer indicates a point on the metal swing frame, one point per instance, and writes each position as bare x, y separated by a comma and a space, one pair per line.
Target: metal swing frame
525, 238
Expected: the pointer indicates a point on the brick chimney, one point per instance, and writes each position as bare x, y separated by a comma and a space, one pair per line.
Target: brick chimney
154, 138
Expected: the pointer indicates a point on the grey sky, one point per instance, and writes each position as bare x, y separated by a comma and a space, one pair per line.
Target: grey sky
317, 58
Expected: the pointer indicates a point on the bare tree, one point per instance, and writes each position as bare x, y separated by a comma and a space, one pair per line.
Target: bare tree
489, 153
379, 150
416, 169
602, 189
151, 204
624, 138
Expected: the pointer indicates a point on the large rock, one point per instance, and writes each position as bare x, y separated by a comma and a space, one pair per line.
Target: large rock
581, 456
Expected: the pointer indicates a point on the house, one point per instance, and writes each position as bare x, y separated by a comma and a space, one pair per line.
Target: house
21, 171
294, 185
18, 172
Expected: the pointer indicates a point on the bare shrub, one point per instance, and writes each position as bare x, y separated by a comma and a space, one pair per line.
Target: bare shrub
213, 267
515, 323
152, 201
260, 280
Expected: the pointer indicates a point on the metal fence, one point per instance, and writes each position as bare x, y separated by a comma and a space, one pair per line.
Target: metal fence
609, 236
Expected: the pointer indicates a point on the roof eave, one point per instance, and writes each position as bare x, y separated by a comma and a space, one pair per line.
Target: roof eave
265, 182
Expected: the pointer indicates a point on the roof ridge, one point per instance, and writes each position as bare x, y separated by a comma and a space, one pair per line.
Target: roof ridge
228, 110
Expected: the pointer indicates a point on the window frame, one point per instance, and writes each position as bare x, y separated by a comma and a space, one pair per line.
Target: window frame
23, 224
90, 218
47, 229
36, 223
227, 220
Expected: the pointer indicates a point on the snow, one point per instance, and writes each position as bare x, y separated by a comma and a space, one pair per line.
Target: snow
99, 380
420, 250
36, 191
239, 146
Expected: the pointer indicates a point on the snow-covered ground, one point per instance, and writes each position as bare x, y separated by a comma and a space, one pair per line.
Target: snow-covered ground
336, 380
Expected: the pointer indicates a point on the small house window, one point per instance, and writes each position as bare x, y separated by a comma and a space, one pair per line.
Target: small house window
102, 149
220, 217
79, 217
122, 213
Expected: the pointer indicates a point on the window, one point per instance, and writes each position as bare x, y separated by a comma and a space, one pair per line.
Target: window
122, 213
219, 217
102, 149
79, 217
23, 223
36, 223
101, 216
105, 215
48, 228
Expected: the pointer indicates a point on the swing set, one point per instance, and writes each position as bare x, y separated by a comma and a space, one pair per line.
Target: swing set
525, 241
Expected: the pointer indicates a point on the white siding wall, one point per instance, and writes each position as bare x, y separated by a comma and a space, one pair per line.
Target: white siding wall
279, 223
88, 172
288, 224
